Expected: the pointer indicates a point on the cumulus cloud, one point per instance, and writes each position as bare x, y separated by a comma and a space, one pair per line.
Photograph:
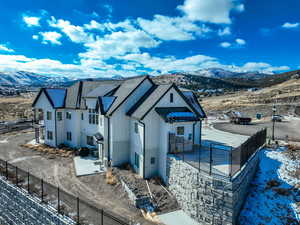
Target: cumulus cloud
288, 25
4, 48
262, 67
240, 41
172, 28
118, 43
31, 21
224, 32
212, 11
225, 44
51, 37
75, 33
35, 37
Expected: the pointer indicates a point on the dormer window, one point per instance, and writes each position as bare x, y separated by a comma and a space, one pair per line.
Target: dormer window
171, 98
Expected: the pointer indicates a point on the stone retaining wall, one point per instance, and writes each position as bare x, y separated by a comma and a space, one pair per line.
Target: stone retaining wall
206, 199
19, 208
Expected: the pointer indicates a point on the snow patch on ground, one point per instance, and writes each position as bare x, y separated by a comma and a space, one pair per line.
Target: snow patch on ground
3, 141
265, 205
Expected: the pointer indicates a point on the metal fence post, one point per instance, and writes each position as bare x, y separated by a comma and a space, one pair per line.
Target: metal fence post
102, 216
78, 210
28, 177
210, 159
58, 201
17, 182
42, 187
230, 161
200, 147
6, 170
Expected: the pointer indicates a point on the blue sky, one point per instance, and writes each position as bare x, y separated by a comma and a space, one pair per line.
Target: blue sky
93, 38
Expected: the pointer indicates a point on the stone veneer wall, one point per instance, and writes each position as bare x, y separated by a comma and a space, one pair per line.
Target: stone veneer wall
19, 208
206, 199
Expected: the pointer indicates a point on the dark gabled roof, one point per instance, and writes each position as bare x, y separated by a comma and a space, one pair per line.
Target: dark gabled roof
192, 98
81, 89
125, 90
143, 108
141, 100
56, 96
138, 111
176, 114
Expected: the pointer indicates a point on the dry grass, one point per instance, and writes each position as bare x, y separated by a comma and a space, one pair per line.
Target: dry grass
110, 178
12, 108
45, 149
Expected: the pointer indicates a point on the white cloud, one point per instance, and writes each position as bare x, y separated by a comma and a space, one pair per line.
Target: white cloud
172, 28
31, 21
262, 67
4, 48
240, 41
35, 37
125, 25
118, 43
213, 11
51, 37
75, 33
224, 32
225, 44
290, 25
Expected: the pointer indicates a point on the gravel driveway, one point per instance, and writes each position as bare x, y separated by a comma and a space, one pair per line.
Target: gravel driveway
282, 129
59, 171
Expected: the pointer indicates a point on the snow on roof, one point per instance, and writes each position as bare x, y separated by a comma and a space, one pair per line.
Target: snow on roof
57, 96
194, 102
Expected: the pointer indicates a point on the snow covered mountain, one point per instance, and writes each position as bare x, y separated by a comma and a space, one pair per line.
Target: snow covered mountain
22, 79
223, 74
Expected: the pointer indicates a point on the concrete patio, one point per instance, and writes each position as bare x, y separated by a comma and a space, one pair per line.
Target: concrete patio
87, 166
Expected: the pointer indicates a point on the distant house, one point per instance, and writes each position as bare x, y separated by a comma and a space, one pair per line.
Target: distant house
128, 121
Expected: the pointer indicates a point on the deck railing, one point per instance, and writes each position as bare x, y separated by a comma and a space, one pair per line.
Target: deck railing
214, 158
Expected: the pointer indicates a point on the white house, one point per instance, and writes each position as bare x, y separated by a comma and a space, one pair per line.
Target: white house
128, 121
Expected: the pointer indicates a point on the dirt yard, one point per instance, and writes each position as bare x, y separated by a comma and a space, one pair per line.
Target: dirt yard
59, 171
12, 108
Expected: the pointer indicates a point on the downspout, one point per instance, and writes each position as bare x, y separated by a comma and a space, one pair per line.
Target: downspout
55, 128
108, 139
200, 141
144, 148
194, 132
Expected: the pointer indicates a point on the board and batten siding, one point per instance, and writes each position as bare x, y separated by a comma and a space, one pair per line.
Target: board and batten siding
44, 104
157, 135
120, 126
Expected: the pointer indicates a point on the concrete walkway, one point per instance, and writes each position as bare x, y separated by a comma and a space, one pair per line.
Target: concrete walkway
177, 218
87, 166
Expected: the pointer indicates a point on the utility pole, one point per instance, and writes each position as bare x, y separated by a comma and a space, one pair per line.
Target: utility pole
273, 119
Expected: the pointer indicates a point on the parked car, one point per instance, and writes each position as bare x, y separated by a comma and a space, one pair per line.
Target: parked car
277, 118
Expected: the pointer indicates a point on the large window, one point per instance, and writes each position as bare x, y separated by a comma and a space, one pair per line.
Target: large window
59, 116
68, 115
49, 115
69, 136
49, 135
93, 117
136, 160
180, 131
90, 141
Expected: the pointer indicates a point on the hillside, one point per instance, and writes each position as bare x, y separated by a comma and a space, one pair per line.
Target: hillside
285, 95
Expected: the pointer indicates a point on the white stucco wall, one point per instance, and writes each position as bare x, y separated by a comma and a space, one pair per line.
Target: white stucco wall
72, 125
137, 145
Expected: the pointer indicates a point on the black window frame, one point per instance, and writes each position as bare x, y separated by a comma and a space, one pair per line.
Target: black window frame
136, 127
137, 160
49, 135
68, 115
171, 97
179, 133
59, 116
69, 136
49, 115
92, 143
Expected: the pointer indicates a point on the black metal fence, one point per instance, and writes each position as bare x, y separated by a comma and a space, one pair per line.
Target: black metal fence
15, 126
214, 158
65, 203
